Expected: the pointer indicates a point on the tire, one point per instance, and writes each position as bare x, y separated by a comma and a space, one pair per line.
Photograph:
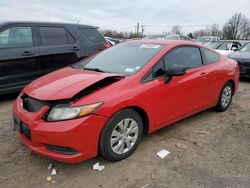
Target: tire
225, 98
125, 128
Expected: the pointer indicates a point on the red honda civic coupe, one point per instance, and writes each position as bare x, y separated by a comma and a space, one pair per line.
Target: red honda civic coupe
104, 104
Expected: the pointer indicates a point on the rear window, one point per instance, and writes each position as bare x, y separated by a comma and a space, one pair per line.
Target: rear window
210, 56
92, 34
55, 36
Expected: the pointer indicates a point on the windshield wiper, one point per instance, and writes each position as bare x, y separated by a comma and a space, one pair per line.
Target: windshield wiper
94, 69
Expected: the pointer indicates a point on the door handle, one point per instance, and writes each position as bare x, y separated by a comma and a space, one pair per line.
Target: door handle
203, 75
75, 49
27, 53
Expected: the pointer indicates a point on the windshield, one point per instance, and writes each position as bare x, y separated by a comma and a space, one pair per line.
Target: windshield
204, 39
245, 48
125, 58
215, 45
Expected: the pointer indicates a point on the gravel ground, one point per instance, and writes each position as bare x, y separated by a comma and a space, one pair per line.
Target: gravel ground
220, 157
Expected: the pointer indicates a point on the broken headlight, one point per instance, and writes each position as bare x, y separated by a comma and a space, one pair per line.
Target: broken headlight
62, 112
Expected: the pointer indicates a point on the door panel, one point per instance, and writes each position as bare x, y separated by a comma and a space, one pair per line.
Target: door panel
57, 49
180, 97
56, 57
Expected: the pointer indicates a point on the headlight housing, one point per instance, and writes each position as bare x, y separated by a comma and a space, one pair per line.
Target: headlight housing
63, 112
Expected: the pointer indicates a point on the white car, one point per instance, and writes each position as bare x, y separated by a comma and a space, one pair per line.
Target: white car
226, 47
207, 40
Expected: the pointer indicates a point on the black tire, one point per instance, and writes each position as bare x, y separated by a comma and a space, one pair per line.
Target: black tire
220, 107
105, 144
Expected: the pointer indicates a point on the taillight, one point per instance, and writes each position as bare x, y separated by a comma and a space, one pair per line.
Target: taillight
106, 45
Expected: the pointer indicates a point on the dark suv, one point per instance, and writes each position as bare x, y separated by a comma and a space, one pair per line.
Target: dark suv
29, 50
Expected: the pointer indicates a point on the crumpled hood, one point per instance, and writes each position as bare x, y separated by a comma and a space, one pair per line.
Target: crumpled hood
239, 55
63, 84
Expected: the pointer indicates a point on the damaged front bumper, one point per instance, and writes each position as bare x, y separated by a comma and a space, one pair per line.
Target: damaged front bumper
69, 141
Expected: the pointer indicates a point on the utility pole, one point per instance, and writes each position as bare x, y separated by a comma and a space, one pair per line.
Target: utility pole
137, 30
142, 29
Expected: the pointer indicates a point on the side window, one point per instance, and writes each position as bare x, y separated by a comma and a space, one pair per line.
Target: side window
187, 56
158, 69
209, 56
15, 37
148, 77
55, 36
92, 34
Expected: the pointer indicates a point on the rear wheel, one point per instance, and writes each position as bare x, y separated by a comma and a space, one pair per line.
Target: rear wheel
225, 97
121, 135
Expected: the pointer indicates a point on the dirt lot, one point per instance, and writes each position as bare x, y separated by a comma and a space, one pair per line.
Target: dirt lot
219, 158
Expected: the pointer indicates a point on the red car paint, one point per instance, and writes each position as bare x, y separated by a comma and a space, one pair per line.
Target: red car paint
163, 103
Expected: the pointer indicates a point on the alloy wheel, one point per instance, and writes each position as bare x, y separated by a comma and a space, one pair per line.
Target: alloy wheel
226, 96
124, 136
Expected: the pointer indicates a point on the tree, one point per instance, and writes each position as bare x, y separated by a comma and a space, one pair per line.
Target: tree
210, 30
214, 30
200, 33
237, 27
176, 30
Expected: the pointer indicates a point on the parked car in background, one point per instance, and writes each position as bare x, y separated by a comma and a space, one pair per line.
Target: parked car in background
155, 37
243, 58
177, 37
104, 105
206, 40
225, 47
29, 50
112, 41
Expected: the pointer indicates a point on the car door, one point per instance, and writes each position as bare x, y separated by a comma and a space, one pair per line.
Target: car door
18, 57
183, 95
58, 48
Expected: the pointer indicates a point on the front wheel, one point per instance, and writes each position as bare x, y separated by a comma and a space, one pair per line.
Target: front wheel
225, 97
121, 135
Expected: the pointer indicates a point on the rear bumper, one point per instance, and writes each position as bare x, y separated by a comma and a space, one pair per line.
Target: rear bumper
244, 69
69, 141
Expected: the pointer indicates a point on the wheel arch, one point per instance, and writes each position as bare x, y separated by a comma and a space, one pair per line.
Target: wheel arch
137, 109
233, 84
144, 117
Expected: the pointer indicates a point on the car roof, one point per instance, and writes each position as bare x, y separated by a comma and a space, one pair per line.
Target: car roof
47, 23
166, 42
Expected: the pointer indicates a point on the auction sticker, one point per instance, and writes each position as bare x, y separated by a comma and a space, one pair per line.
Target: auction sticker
150, 46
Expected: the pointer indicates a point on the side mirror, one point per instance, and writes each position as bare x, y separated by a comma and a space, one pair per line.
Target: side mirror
234, 48
175, 70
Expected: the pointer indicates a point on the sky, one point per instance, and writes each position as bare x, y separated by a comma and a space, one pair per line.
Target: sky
158, 16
